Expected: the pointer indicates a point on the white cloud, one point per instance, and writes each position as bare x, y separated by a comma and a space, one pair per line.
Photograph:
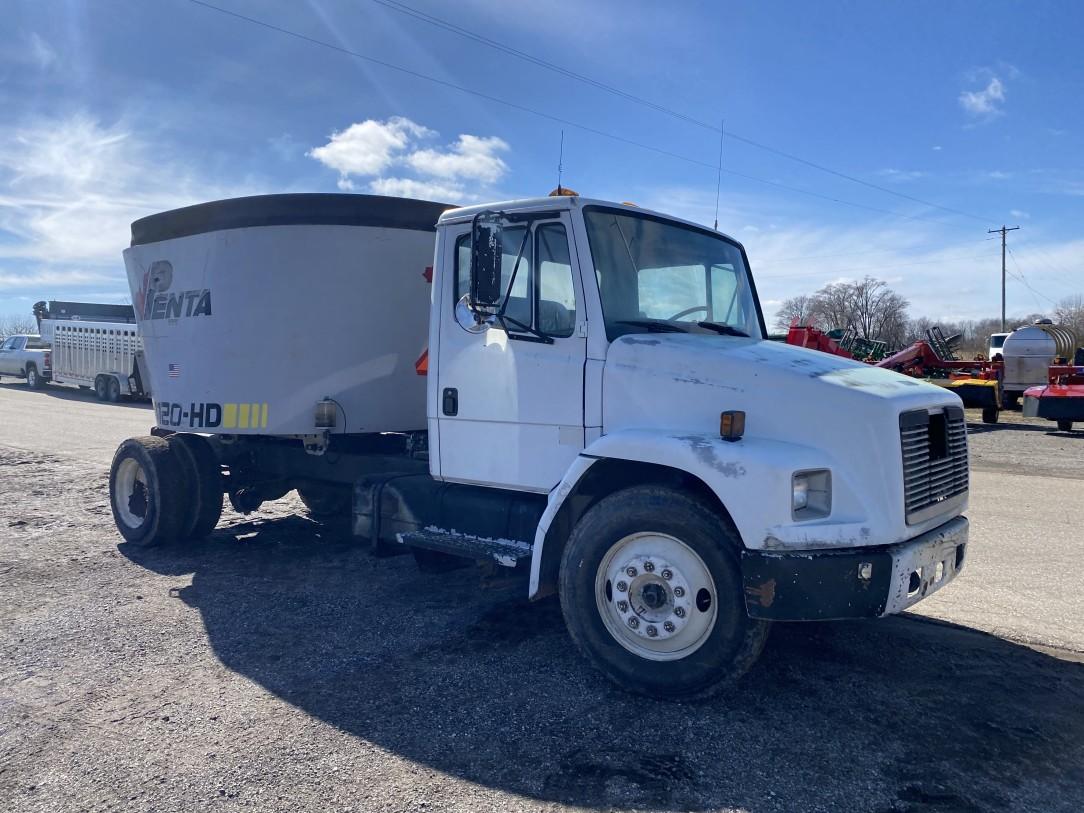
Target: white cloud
902, 175
1019, 214
985, 103
471, 157
41, 52
457, 172
369, 147
70, 188
426, 190
937, 148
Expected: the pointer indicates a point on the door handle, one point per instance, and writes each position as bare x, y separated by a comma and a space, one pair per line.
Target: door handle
450, 401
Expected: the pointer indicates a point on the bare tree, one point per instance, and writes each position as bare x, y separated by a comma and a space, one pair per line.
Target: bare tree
797, 310
12, 325
1070, 313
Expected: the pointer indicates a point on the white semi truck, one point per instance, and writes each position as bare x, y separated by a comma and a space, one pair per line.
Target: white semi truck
95, 346
599, 412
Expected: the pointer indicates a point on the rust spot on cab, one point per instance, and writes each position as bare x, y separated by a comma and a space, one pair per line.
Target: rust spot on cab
763, 594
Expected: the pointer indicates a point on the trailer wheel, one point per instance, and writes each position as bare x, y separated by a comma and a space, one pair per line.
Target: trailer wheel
112, 390
204, 484
1065, 426
652, 594
325, 501
147, 491
1011, 400
990, 414
101, 389
33, 380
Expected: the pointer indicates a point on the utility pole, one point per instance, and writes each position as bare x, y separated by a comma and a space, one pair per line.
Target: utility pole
1002, 231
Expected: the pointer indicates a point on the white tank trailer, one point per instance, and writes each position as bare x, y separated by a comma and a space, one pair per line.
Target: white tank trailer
1029, 351
321, 306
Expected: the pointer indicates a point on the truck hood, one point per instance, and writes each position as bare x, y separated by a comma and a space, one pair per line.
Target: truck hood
683, 381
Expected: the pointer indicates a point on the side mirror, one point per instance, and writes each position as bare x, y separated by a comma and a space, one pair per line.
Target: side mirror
486, 255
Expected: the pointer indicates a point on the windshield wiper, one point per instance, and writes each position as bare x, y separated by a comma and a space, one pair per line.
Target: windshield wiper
653, 325
726, 330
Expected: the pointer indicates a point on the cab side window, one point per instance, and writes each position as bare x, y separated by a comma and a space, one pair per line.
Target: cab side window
542, 296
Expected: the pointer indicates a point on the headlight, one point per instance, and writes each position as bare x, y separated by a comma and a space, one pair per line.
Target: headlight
811, 494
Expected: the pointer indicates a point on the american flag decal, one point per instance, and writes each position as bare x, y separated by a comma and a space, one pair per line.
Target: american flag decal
174, 370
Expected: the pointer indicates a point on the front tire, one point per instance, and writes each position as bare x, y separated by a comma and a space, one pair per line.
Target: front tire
148, 491
990, 414
1065, 426
652, 594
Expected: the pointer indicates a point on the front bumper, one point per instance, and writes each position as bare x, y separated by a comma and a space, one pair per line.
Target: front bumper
868, 582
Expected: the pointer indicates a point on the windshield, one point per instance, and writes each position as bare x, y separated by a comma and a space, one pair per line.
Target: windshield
998, 339
657, 275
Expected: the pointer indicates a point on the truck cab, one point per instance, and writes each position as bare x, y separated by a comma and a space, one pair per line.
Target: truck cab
28, 357
602, 416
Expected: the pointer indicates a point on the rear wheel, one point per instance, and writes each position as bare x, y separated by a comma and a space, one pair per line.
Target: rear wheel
1065, 426
652, 594
148, 491
990, 414
33, 380
1011, 400
101, 389
204, 478
112, 389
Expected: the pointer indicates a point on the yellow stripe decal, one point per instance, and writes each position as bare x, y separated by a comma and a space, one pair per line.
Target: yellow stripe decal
242, 415
263, 417
229, 416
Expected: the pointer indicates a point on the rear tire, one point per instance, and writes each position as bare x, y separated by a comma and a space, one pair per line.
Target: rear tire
990, 414
1011, 400
33, 380
112, 390
148, 491
679, 561
101, 389
204, 484
1065, 426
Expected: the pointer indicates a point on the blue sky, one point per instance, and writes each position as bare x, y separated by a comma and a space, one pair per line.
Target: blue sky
114, 109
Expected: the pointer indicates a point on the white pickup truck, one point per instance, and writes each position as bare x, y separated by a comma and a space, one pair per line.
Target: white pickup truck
573, 390
26, 356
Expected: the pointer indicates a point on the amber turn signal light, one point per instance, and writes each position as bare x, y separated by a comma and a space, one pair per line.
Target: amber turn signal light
732, 424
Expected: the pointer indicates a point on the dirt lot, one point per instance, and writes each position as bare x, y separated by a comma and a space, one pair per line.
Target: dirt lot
277, 667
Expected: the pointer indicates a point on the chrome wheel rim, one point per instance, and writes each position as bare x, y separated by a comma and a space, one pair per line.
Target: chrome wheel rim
656, 596
130, 493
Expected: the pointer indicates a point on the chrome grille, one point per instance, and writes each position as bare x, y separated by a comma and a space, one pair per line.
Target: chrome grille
935, 474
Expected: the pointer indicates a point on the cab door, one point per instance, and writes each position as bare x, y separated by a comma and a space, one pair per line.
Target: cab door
510, 399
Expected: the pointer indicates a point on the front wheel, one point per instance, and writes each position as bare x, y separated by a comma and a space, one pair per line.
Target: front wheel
1065, 426
990, 414
651, 592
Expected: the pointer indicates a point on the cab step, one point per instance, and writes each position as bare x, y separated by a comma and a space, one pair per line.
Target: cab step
505, 552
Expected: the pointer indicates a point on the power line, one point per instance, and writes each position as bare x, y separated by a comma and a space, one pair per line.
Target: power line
1026, 284
558, 119
403, 8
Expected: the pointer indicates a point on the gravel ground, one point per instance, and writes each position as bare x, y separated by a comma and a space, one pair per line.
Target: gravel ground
276, 666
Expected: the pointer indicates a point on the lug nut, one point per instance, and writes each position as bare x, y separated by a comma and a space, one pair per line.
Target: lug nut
634, 622
668, 626
679, 591
666, 574
630, 572
622, 587
652, 632
649, 567
679, 612
623, 606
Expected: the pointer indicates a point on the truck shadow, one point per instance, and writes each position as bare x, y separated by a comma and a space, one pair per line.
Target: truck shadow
486, 687
66, 393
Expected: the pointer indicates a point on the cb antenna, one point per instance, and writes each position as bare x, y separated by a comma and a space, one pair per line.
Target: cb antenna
560, 161
719, 172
